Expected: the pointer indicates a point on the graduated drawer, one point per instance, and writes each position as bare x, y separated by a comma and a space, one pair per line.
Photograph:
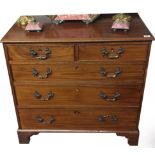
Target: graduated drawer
113, 52
79, 119
40, 53
103, 73
46, 96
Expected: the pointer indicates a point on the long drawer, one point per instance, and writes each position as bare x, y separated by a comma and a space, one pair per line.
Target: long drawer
79, 119
40, 53
109, 73
113, 52
45, 96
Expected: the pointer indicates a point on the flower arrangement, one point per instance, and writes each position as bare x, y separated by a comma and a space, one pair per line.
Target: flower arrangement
121, 22
121, 17
24, 20
30, 24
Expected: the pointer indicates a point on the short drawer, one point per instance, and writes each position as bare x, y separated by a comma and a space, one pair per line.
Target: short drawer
40, 53
113, 52
103, 73
78, 119
57, 96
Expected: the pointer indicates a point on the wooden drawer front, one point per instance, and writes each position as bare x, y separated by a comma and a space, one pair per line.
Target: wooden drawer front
43, 96
111, 52
107, 73
110, 72
78, 119
40, 53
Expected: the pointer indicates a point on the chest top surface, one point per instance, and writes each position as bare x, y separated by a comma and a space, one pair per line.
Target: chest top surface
77, 31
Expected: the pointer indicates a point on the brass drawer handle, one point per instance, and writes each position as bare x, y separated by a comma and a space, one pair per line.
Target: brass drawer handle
49, 96
117, 72
45, 75
45, 55
112, 54
115, 97
103, 118
50, 120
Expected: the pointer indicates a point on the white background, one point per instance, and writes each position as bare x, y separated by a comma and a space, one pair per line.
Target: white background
73, 143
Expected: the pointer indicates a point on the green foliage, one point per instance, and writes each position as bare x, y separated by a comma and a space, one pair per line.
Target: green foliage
122, 17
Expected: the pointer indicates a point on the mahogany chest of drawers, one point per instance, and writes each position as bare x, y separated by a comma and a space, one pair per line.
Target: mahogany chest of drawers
74, 77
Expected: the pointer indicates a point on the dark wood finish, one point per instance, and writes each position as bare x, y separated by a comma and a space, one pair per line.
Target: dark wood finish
24, 137
136, 53
86, 96
58, 52
79, 87
11, 84
132, 137
77, 31
133, 73
79, 119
